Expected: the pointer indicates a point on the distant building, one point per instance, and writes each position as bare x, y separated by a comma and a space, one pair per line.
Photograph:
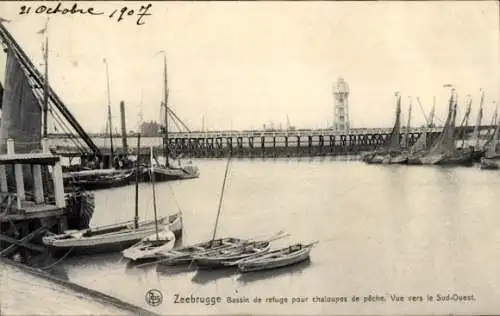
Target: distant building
341, 111
149, 129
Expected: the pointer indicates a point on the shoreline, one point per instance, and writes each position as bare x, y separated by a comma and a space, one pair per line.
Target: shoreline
97, 296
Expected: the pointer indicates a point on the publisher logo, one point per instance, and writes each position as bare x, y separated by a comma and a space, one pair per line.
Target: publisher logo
154, 297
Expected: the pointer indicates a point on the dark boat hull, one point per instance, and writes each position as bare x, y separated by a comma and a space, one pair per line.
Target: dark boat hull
489, 164
100, 183
458, 159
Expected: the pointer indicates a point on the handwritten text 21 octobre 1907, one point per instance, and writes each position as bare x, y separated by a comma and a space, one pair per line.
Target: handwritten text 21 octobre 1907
75, 9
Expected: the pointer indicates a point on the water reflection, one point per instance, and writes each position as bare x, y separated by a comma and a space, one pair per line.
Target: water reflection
203, 276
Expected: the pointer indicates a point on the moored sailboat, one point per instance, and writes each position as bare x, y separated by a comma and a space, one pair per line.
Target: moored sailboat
444, 151
423, 143
491, 159
392, 151
113, 237
149, 246
168, 171
97, 179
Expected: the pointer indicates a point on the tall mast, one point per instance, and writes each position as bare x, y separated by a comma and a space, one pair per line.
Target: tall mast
151, 170
137, 169
220, 200
407, 135
46, 86
109, 111
165, 102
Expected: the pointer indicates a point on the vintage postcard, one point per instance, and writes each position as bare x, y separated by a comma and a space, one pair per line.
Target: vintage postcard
257, 158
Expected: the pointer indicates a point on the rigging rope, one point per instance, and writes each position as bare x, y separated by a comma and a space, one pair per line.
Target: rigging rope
175, 199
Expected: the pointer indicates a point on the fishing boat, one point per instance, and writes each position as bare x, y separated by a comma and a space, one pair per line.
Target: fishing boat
97, 179
279, 258
108, 238
423, 143
444, 151
391, 152
224, 257
491, 159
168, 171
149, 246
113, 237
479, 151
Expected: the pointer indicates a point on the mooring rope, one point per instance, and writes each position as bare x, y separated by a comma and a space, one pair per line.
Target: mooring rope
58, 261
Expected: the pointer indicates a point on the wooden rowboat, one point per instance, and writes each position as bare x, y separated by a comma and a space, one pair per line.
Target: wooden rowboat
149, 247
224, 257
186, 254
276, 259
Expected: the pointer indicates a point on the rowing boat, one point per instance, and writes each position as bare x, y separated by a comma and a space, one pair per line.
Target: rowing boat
224, 257
186, 254
149, 247
276, 259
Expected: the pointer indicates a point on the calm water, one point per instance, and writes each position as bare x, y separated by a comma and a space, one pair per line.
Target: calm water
404, 230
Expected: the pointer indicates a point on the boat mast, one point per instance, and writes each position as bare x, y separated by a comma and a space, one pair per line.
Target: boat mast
109, 112
407, 135
220, 200
154, 191
46, 86
136, 217
478, 122
465, 121
165, 103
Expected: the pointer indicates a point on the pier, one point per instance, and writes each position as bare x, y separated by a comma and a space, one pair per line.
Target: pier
277, 143
33, 202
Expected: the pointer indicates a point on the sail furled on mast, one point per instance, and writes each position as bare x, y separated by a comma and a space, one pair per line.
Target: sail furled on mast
394, 142
475, 135
446, 142
494, 145
21, 109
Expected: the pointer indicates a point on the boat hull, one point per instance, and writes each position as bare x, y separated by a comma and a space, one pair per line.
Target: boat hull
162, 174
186, 255
268, 264
489, 164
460, 159
226, 261
113, 238
148, 248
96, 180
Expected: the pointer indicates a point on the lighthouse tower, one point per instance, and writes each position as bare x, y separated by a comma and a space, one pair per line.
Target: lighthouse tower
341, 112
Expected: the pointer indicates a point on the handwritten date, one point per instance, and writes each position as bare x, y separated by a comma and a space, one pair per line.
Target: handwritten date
75, 9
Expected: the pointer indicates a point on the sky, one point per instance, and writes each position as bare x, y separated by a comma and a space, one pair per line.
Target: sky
240, 65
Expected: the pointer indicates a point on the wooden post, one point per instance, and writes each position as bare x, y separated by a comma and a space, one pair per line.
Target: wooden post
18, 172
57, 176
38, 183
45, 145
3, 180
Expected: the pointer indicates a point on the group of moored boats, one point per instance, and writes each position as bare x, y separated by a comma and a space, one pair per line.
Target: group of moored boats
444, 149
244, 254
154, 242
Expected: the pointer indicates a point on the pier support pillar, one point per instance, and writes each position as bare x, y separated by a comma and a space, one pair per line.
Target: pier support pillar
18, 173
45, 145
38, 183
3, 180
58, 185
